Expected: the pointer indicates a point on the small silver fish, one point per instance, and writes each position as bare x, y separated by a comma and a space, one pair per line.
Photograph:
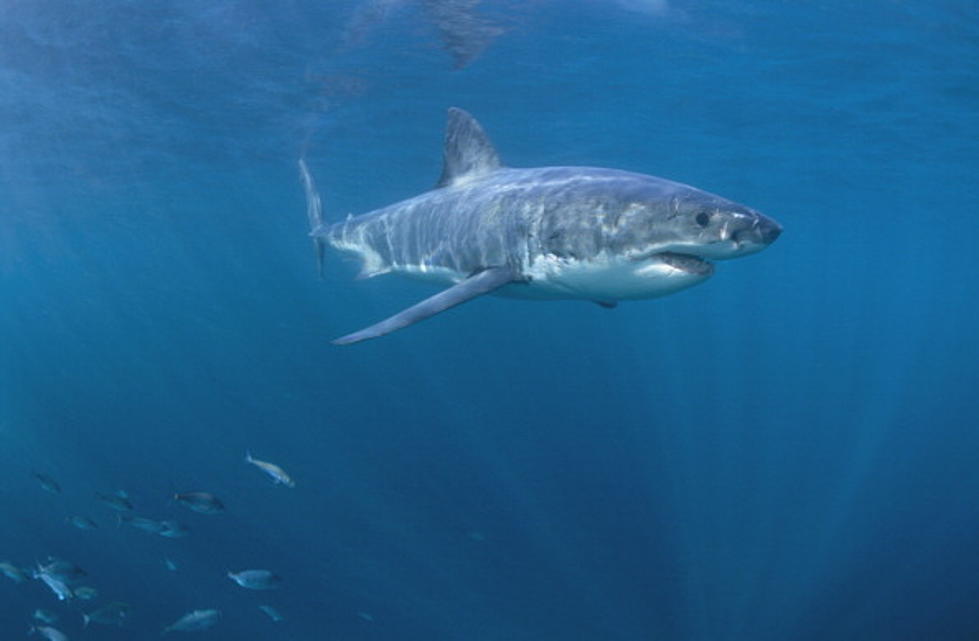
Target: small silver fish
118, 500
48, 483
141, 523
49, 633
82, 522
65, 570
272, 612
12, 572
202, 502
173, 530
45, 616
57, 585
170, 565
256, 579
365, 616
86, 592
114, 613
196, 620
276, 473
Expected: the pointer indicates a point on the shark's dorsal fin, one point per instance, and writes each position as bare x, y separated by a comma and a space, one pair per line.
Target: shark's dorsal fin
468, 151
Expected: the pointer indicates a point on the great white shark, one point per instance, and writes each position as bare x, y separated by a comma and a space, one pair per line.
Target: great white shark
590, 233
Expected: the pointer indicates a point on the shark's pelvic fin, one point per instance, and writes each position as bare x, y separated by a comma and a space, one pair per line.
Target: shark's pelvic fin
468, 151
476, 285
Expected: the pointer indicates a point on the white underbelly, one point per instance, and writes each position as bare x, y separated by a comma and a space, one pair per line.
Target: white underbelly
605, 279
553, 278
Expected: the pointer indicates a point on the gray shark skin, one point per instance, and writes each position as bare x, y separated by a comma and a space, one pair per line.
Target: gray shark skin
590, 233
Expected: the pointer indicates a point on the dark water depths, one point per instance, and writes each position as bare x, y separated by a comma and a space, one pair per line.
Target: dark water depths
785, 452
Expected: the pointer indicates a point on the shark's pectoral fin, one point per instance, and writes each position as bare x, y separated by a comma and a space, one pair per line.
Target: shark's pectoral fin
607, 304
481, 283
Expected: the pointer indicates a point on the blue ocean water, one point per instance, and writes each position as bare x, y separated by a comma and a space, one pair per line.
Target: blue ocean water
785, 452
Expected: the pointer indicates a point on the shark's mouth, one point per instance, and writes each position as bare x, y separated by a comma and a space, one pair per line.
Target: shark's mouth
686, 263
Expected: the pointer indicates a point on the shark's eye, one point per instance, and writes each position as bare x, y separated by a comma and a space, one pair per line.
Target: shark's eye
703, 218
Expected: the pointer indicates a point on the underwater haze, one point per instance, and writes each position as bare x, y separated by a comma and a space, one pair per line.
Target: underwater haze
787, 451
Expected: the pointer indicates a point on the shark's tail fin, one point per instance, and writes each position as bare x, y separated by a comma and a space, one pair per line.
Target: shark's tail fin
314, 211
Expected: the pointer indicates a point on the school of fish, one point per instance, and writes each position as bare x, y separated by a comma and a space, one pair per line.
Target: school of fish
67, 581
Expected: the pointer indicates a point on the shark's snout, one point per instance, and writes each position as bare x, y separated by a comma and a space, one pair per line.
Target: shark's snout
757, 230
768, 229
